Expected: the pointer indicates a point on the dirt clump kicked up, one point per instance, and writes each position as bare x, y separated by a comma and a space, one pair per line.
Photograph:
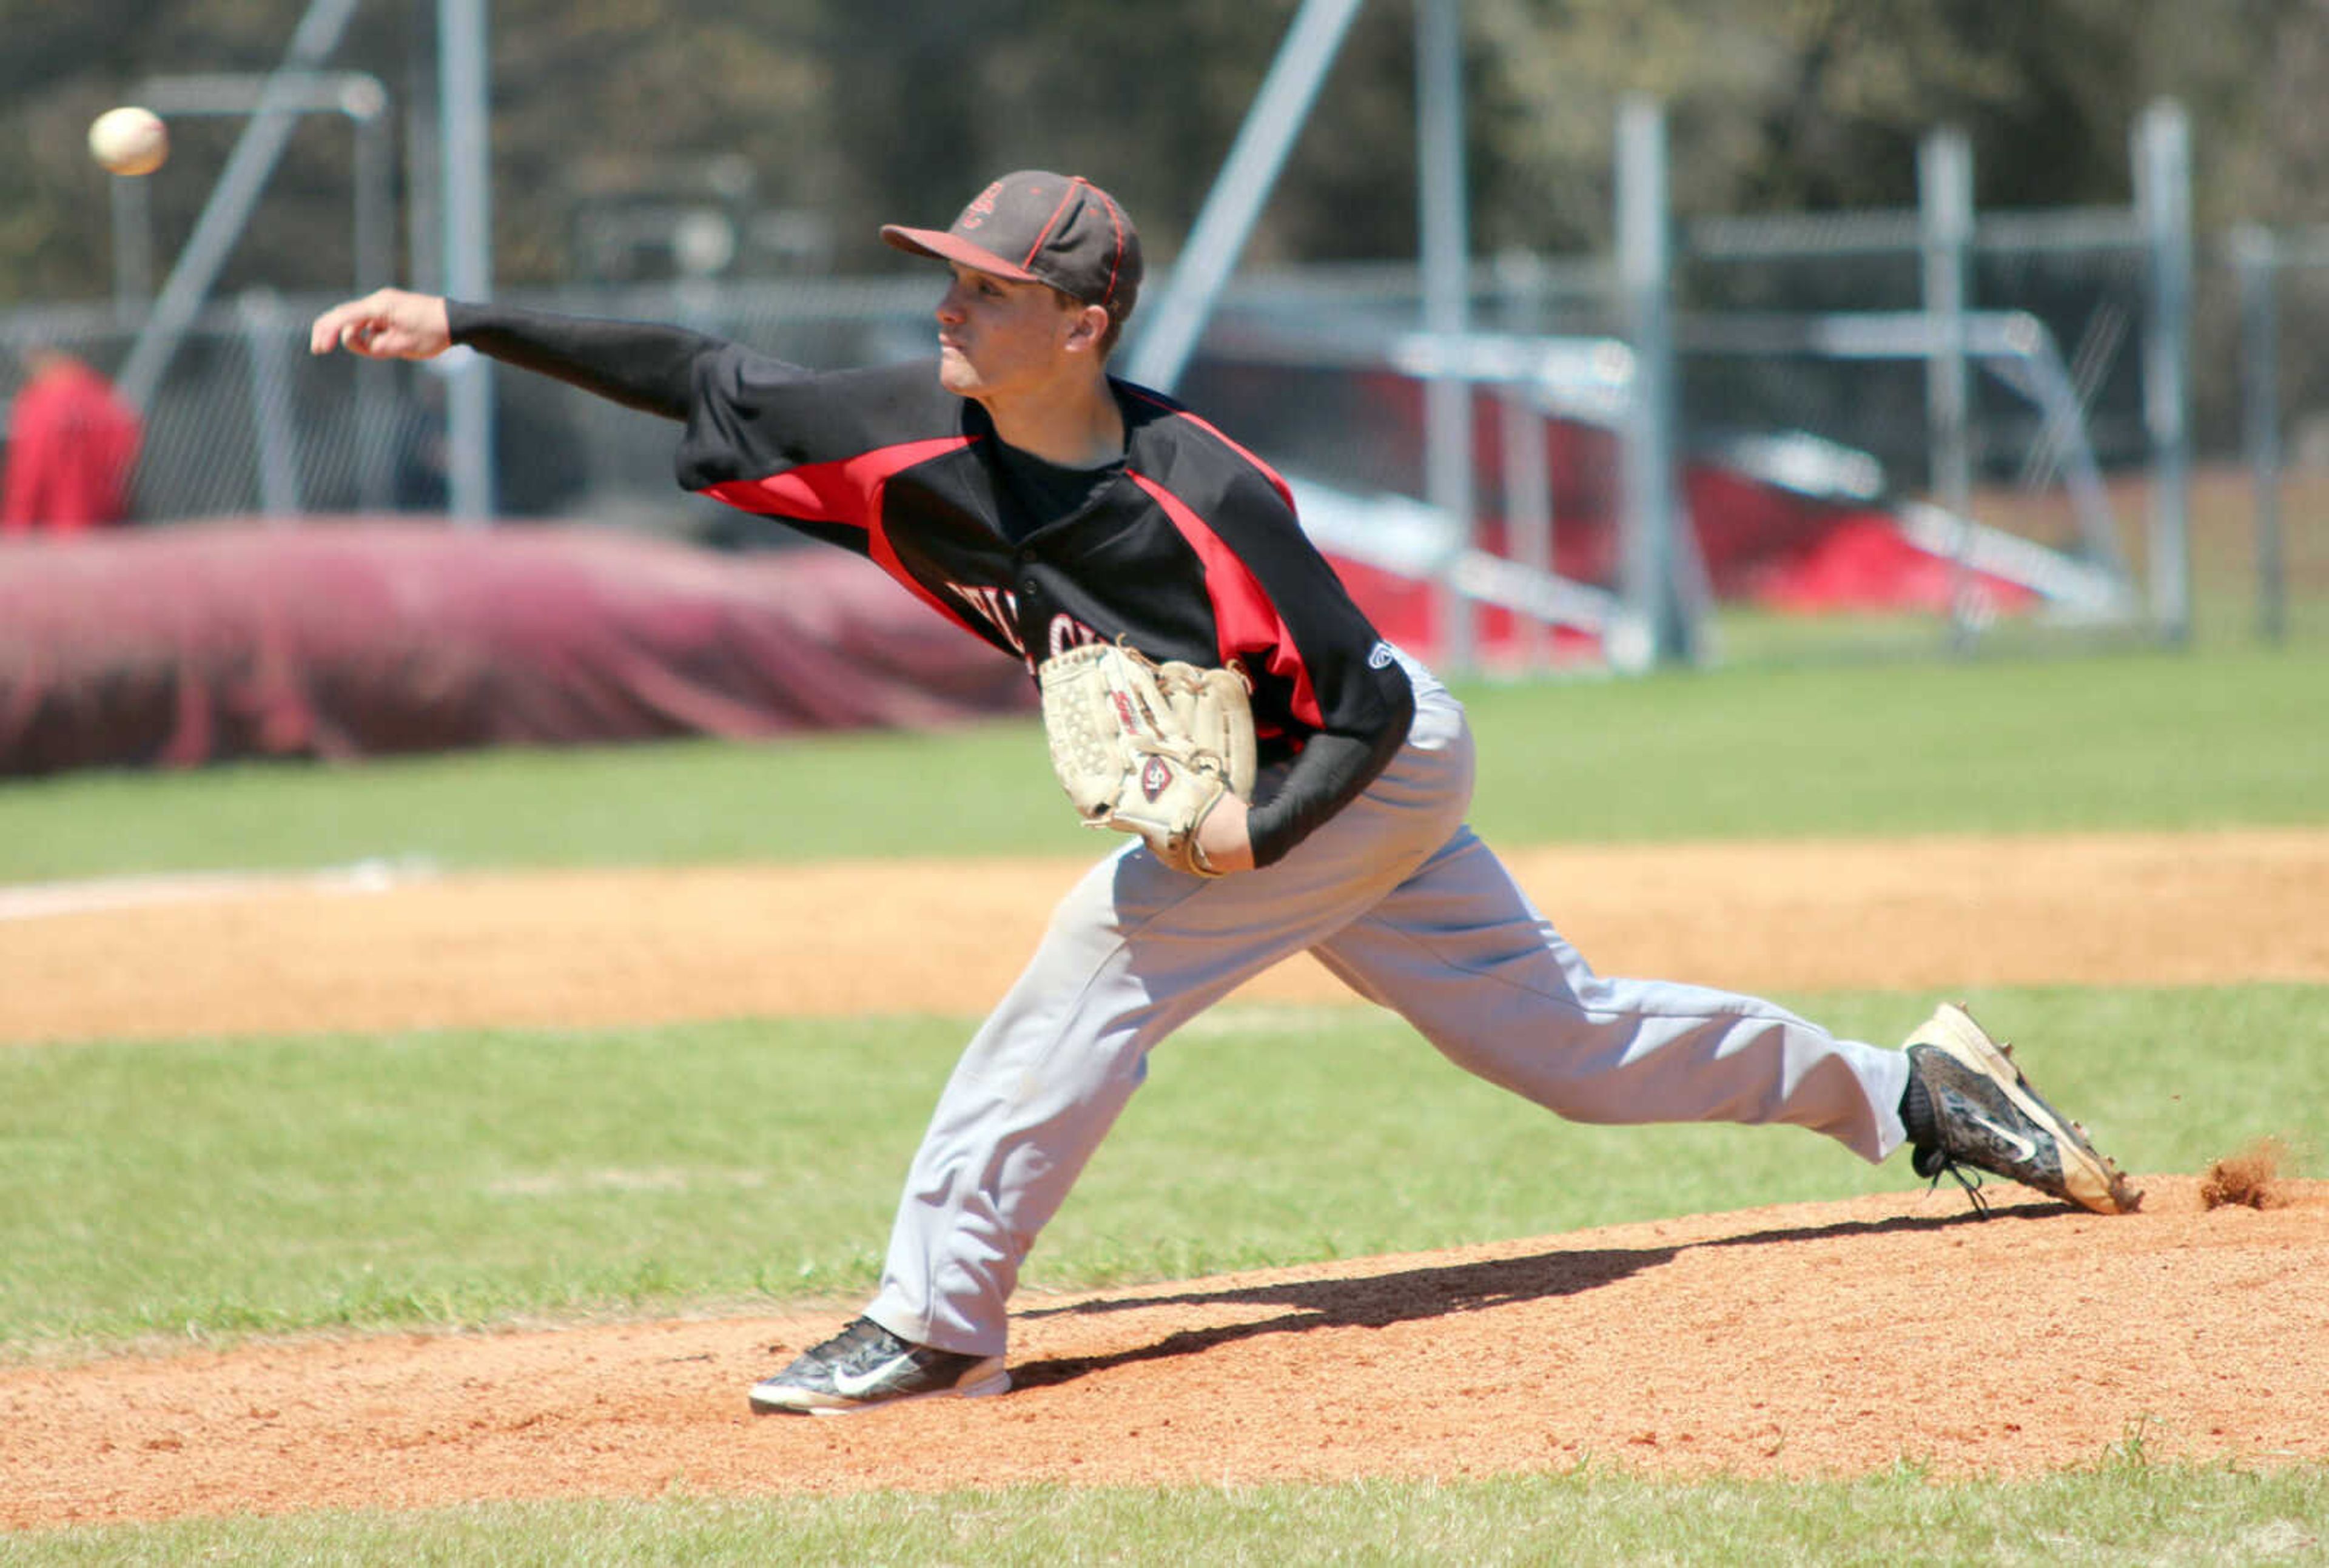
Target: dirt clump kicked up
2250, 1178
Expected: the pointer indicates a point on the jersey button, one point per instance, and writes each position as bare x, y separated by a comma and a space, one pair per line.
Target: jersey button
1028, 588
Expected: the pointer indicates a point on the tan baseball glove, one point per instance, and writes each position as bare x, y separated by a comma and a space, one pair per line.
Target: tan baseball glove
1146, 748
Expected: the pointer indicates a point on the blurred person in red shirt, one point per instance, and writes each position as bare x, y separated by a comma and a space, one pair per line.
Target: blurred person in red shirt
73, 441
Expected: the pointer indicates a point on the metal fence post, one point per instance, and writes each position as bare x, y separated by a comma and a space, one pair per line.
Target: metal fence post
1447, 300
376, 268
1945, 224
2255, 261
267, 342
1527, 503
2163, 189
1649, 556
465, 142
133, 247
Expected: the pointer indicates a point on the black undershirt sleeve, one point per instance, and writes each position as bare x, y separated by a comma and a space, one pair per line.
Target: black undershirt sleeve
640, 366
1361, 703
1329, 774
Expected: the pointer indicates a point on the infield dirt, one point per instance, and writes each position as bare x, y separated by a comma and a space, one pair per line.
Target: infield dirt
1804, 1340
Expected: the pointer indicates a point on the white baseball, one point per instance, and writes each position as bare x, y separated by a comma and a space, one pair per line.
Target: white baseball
129, 140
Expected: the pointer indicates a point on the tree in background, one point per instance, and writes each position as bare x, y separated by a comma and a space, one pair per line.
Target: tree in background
863, 114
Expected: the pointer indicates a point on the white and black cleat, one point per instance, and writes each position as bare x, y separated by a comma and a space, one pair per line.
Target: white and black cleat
1968, 1105
865, 1366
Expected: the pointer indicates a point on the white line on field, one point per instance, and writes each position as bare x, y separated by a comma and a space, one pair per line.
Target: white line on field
40, 899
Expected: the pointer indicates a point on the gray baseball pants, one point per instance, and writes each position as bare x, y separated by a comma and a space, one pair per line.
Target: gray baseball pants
1396, 896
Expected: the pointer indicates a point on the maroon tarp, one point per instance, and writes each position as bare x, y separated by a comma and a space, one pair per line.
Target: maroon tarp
182, 644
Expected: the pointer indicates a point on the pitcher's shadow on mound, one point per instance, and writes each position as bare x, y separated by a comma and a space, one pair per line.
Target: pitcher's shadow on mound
1379, 1300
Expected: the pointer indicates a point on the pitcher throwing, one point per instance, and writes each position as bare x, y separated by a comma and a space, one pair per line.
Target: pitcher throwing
1024, 494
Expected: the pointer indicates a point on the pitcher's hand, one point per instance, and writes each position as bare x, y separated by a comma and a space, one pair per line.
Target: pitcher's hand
1223, 837
386, 324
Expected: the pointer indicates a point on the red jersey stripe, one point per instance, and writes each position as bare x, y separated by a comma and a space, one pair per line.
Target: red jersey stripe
849, 492
1245, 622
1277, 481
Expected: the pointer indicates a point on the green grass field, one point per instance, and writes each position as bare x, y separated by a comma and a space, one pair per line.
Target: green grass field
2124, 1511
2140, 739
460, 1178
149, 1191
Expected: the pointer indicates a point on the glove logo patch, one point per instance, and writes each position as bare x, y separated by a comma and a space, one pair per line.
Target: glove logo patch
1155, 776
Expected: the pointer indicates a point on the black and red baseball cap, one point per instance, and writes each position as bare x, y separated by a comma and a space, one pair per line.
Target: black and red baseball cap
1038, 227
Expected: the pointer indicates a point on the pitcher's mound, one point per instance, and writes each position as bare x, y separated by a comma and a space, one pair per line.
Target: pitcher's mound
1810, 1339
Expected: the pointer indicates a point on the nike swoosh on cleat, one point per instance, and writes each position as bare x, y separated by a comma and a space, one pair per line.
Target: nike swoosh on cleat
856, 1385
2024, 1147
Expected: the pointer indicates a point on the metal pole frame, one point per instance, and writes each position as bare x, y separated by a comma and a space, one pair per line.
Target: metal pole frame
358, 97
1161, 349
363, 101
247, 171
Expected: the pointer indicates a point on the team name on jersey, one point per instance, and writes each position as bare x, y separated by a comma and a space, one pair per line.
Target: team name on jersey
1067, 632
999, 608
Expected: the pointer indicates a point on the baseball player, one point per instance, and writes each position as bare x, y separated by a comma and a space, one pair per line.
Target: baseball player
1022, 493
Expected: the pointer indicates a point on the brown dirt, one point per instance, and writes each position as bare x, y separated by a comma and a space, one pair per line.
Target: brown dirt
1805, 1340
576, 947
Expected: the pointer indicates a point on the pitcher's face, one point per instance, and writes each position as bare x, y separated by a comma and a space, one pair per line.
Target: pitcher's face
997, 337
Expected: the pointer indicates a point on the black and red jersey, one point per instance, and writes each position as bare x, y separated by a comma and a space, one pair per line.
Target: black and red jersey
1190, 551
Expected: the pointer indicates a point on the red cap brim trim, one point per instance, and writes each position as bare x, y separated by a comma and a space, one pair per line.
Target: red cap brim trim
948, 247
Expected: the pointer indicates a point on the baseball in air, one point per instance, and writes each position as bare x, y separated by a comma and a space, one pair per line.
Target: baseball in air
129, 140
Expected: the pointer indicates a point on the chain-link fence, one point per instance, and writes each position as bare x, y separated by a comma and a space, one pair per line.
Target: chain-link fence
244, 421
1305, 367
